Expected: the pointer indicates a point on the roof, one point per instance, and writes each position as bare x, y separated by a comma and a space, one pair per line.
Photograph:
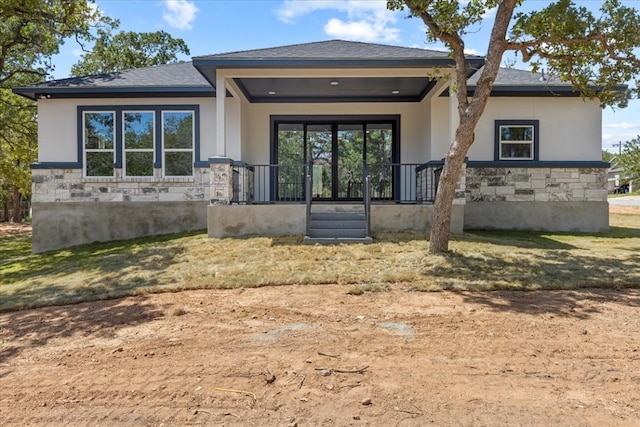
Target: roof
178, 78
334, 50
197, 78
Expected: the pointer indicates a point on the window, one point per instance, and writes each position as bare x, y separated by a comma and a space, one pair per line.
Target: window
177, 138
138, 143
142, 141
99, 143
516, 140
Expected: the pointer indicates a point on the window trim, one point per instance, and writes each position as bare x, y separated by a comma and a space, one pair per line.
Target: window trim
96, 150
119, 141
536, 139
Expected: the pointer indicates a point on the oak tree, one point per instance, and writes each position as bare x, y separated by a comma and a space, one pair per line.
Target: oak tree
126, 50
595, 53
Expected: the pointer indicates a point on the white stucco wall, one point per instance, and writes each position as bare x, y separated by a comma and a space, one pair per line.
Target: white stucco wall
58, 123
570, 128
414, 123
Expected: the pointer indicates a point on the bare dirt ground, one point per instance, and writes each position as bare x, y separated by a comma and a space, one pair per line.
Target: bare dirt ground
316, 356
14, 229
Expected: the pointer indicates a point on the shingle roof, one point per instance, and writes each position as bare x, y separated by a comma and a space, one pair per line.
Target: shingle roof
515, 77
177, 74
333, 49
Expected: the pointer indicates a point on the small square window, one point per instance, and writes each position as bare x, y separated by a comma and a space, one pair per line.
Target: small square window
516, 140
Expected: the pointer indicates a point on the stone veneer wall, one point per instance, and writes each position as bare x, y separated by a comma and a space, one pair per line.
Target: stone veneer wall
543, 199
536, 185
69, 209
68, 185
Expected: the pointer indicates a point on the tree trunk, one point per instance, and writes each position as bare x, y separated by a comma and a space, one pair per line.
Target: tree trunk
17, 205
441, 223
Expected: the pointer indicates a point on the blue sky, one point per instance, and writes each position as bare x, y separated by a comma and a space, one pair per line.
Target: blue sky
216, 26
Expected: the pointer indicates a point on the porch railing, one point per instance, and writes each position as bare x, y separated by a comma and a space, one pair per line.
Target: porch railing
389, 182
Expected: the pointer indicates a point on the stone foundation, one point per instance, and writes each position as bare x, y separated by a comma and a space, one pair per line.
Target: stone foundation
69, 209
546, 199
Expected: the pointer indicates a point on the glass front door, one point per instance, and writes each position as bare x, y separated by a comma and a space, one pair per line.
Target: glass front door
337, 153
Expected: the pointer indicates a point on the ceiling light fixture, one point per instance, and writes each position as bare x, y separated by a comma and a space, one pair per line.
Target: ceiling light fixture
335, 83
395, 92
271, 92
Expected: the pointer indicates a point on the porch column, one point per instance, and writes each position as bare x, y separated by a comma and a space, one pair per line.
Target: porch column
221, 180
221, 95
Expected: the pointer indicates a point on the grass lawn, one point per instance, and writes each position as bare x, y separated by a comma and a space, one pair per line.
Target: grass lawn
477, 261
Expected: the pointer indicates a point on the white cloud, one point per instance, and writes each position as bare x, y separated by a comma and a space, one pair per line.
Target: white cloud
180, 14
623, 125
471, 51
366, 20
608, 140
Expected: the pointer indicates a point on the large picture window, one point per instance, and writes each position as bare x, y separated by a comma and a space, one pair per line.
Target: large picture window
143, 141
99, 143
516, 140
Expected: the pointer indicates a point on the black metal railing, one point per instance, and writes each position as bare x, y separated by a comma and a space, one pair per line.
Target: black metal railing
388, 182
427, 179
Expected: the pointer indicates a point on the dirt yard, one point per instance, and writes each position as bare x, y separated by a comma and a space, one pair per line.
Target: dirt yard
315, 356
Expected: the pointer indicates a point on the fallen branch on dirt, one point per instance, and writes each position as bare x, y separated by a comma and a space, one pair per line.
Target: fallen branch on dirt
321, 353
230, 390
329, 371
301, 382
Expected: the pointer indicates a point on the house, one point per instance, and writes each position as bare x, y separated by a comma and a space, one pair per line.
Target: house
287, 139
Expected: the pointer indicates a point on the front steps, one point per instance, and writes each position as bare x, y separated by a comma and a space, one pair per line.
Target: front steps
335, 227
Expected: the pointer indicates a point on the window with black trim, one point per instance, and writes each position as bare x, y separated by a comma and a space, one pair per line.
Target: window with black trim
516, 139
138, 138
99, 143
142, 141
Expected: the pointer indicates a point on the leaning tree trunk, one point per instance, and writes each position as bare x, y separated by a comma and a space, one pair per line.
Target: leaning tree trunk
17, 205
441, 222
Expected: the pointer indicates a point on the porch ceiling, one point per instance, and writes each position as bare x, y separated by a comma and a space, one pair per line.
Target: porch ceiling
339, 89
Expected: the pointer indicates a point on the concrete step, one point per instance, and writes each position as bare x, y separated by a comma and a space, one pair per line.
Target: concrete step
338, 224
338, 232
337, 216
336, 240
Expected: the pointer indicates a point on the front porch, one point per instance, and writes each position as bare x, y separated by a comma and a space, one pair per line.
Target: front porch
282, 199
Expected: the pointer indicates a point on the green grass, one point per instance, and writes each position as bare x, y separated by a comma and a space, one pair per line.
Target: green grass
477, 261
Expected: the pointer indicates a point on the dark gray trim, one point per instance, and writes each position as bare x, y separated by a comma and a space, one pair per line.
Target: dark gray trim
201, 164
538, 164
538, 91
116, 92
157, 110
320, 100
220, 161
56, 165
536, 138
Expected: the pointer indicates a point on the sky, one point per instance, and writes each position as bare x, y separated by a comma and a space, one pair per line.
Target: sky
217, 26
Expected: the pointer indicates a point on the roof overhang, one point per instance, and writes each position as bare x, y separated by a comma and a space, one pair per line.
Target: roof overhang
35, 92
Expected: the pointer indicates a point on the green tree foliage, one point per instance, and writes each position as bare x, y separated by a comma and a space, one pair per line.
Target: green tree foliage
595, 52
607, 156
31, 31
126, 50
629, 160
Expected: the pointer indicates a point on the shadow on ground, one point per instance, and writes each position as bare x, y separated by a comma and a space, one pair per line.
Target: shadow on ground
86, 320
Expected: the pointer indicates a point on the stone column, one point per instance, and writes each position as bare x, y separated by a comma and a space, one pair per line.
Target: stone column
221, 180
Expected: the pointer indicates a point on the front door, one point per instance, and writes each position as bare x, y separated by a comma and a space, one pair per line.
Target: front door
337, 152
